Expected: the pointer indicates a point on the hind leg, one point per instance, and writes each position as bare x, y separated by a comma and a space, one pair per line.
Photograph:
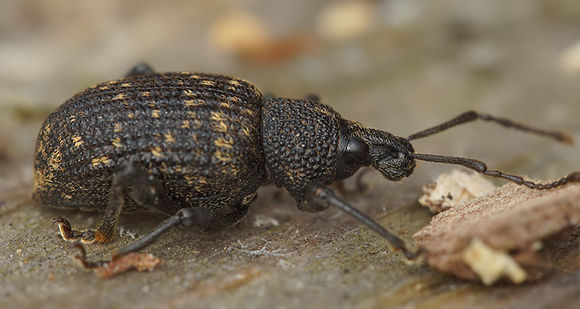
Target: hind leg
146, 191
205, 219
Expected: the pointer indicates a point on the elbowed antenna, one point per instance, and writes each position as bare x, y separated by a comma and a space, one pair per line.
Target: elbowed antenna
481, 167
472, 116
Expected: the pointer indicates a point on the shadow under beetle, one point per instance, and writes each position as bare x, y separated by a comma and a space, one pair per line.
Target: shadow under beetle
197, 147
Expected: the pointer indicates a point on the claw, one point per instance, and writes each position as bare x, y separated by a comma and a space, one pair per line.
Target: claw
60, 220
68, 234
82, 258
411, 256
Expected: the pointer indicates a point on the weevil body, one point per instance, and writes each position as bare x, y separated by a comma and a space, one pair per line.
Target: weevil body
197, 147
197, 134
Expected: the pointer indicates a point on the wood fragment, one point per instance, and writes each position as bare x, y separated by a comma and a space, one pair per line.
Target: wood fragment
511, 219
491, 265
454, 188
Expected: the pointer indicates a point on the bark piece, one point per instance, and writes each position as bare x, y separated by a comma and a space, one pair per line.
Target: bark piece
512, 219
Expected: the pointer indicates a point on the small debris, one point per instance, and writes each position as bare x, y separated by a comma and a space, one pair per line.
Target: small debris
261, 251
124, 232
139, 261
451, 189
261, 221
106, 269
490, 265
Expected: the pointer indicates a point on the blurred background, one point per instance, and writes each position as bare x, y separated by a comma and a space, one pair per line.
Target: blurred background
396, 65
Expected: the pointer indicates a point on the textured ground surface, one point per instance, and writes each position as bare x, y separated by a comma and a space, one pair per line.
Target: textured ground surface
398, 65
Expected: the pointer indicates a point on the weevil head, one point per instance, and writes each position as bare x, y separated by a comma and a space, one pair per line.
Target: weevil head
360, 146
306, 142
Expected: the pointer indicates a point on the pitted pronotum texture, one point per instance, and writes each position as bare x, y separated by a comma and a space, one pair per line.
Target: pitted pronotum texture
300, 143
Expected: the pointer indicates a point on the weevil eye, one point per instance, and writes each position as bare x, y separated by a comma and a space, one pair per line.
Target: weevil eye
357, 152
353, 154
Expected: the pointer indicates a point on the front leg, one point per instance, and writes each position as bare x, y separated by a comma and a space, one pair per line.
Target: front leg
145, 190
359, 186
319, 197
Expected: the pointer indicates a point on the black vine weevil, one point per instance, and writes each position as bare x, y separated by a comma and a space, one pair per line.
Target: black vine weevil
197, 147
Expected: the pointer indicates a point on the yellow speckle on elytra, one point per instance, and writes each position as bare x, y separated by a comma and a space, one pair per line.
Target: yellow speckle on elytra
193, 180
217, 116
120, 96
193, 102
221, 126
164, 168
157, 152
195, 76
130, 115
55, 159
117, 127
47, 128
189, 93
234, 82
224, 157
77, 140
155, 113
145, 93
125, 85
246, 131
117, 142
208, 82
100, 160
225, 143
185, 124
38, 183
169, 138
